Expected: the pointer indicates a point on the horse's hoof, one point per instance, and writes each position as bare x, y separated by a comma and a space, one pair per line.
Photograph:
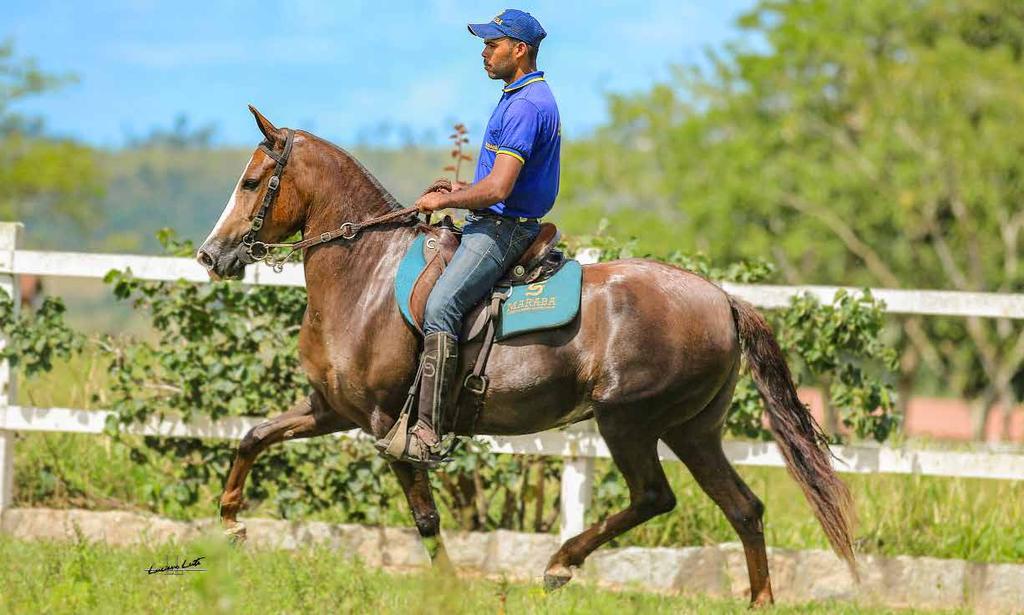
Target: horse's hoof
555, 577
236, 533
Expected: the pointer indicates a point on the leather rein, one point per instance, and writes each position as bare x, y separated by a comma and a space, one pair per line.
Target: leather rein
256, 250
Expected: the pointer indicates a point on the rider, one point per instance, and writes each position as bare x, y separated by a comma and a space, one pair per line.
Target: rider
516, 183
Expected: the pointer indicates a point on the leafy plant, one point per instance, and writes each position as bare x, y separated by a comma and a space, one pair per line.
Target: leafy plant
35, 340
838, 345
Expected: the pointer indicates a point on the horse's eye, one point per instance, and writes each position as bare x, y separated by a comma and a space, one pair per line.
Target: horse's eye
250, 184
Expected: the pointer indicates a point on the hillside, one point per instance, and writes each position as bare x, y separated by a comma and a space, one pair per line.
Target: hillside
185, 189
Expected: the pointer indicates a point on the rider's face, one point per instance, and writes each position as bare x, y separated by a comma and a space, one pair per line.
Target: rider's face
499, 58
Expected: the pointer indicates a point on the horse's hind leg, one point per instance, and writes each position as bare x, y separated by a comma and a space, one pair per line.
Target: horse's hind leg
636, 455
416, 485
704, 457
307, 418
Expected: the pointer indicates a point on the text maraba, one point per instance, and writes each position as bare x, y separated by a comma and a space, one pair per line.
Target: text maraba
532, 304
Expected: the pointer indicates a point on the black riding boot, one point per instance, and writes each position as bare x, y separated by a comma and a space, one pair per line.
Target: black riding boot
439, 362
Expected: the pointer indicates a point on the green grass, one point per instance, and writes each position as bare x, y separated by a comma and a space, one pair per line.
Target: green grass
46, 577
971, 519
79, 382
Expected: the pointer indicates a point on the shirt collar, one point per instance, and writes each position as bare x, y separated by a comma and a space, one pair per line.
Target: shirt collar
537, 75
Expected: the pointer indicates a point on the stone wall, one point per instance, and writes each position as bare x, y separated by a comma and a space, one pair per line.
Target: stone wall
797, 576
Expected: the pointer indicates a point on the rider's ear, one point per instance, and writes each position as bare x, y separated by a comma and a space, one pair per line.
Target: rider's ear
268, 129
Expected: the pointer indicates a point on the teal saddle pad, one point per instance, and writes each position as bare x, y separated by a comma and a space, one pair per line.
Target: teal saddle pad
530, 307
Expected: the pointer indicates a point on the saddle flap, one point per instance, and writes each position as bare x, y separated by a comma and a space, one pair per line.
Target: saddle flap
437, 252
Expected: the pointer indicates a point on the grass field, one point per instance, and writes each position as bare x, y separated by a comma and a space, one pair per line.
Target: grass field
970, 519
43, 577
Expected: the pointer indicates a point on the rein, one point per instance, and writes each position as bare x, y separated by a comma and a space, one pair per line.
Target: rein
261, 251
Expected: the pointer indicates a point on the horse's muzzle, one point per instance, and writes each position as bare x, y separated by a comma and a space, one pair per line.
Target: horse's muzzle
221, 263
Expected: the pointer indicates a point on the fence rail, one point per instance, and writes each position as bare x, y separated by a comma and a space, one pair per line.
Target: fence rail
897, 301
579, 445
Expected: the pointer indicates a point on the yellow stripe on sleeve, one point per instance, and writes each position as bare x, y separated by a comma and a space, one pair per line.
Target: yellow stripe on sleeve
513, 154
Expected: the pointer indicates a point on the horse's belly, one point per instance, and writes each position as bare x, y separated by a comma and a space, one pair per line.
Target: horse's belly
532, 388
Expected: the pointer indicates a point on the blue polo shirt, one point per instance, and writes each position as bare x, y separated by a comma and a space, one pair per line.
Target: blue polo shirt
526, 126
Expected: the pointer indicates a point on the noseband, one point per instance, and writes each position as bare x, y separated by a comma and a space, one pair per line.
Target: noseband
256, 251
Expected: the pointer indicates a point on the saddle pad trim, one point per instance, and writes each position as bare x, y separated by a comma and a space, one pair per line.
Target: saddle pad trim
408, 271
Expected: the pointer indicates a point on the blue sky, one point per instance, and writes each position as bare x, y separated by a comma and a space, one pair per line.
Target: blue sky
345, 70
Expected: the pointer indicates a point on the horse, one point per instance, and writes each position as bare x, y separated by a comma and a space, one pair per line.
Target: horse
654, 354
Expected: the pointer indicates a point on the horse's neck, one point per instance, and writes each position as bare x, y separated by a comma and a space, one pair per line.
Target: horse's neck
347, 271
350, 274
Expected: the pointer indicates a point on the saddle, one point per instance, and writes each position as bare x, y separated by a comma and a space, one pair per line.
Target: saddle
540, 291
538, 262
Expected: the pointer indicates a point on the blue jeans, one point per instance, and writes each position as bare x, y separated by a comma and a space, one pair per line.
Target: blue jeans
490, 246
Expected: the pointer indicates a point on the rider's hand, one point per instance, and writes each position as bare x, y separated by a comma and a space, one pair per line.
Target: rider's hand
431, 201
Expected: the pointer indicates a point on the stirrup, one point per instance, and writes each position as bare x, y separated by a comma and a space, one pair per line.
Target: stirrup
419, 453
402, 444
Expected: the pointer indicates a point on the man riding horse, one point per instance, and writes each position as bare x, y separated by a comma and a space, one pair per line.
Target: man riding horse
516, 183
653, 355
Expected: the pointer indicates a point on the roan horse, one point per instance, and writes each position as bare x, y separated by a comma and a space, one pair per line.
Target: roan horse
654, 354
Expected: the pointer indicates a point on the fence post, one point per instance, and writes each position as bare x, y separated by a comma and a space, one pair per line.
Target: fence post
9, 232
577, 487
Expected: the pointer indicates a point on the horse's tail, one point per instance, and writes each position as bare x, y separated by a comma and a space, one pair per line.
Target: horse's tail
803, 444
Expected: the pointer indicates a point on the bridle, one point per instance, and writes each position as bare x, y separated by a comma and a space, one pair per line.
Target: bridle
256, 250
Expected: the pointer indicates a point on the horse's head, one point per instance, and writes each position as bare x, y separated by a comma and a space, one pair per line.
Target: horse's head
265, 206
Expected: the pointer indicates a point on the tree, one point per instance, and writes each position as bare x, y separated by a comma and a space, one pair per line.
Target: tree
41, 176
873, 142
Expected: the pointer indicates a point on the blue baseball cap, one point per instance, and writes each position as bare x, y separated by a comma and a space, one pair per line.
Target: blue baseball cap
517, 24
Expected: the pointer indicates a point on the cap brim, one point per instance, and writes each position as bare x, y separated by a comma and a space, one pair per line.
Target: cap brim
485, 31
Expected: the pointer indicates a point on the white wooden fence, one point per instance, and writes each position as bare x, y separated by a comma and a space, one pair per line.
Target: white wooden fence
579, 445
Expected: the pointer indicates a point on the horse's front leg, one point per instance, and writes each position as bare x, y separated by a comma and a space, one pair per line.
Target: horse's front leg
307, 418
416, 485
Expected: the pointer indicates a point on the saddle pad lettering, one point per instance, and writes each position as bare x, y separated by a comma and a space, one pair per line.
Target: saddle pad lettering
544, 305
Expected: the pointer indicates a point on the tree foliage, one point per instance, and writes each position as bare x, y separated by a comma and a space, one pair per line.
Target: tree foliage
41, 175
865, 143
35, 340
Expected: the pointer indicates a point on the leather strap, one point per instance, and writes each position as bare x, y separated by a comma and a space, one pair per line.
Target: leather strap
476, 383
348, 230
273, 184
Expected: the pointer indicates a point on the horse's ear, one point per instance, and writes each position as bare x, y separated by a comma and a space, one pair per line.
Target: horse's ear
268, 129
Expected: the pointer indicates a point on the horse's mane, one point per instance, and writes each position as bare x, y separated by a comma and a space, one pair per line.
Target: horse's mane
386, 196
